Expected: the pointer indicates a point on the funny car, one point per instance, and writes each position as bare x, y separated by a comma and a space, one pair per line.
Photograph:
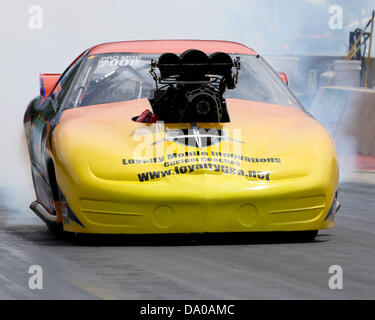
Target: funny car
177, 136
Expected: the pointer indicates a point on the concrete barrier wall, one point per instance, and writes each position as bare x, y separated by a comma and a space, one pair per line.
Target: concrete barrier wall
298, 68
348, 113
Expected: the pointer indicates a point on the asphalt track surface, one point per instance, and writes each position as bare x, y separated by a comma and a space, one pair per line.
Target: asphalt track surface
196, 267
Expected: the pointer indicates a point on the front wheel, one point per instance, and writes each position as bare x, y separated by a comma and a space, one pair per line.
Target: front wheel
55, 228
302, 236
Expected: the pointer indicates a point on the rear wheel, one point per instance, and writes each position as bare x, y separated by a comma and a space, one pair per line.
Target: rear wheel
302, 236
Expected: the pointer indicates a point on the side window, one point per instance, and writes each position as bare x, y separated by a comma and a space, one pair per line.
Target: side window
63, 85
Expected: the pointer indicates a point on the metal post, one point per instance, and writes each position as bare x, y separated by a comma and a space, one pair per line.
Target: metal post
369, 50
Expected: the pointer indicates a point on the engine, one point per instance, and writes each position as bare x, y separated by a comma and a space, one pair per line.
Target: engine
190, 87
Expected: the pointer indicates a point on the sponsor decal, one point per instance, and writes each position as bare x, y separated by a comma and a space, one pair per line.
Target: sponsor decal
121, 61
207, 154
196, 161
151, 175
192, 156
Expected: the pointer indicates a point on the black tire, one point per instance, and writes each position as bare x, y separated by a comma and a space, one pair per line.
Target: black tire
302, 236
56, 229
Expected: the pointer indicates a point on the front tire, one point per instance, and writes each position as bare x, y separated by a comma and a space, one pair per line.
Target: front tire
55, 228
302, 236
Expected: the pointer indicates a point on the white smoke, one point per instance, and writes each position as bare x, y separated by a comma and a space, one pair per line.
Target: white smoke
347, 152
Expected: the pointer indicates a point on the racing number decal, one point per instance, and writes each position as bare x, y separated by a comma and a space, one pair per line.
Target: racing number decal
119, 61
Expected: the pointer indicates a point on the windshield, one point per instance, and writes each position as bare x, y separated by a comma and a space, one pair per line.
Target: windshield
115, 77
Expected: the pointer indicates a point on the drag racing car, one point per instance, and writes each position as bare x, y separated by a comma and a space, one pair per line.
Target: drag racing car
177, 136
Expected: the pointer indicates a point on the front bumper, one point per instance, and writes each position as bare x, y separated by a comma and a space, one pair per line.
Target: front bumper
200, 204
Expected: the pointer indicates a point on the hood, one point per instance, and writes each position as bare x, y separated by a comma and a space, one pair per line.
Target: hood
261, 142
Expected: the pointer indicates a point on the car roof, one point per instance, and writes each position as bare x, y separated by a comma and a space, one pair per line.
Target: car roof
175, 46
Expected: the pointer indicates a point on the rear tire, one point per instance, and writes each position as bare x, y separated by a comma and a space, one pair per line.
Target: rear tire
302, 236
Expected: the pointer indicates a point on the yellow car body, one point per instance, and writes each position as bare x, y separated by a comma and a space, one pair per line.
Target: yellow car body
276, 170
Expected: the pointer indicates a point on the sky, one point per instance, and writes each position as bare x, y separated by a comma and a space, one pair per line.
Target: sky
279, 27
